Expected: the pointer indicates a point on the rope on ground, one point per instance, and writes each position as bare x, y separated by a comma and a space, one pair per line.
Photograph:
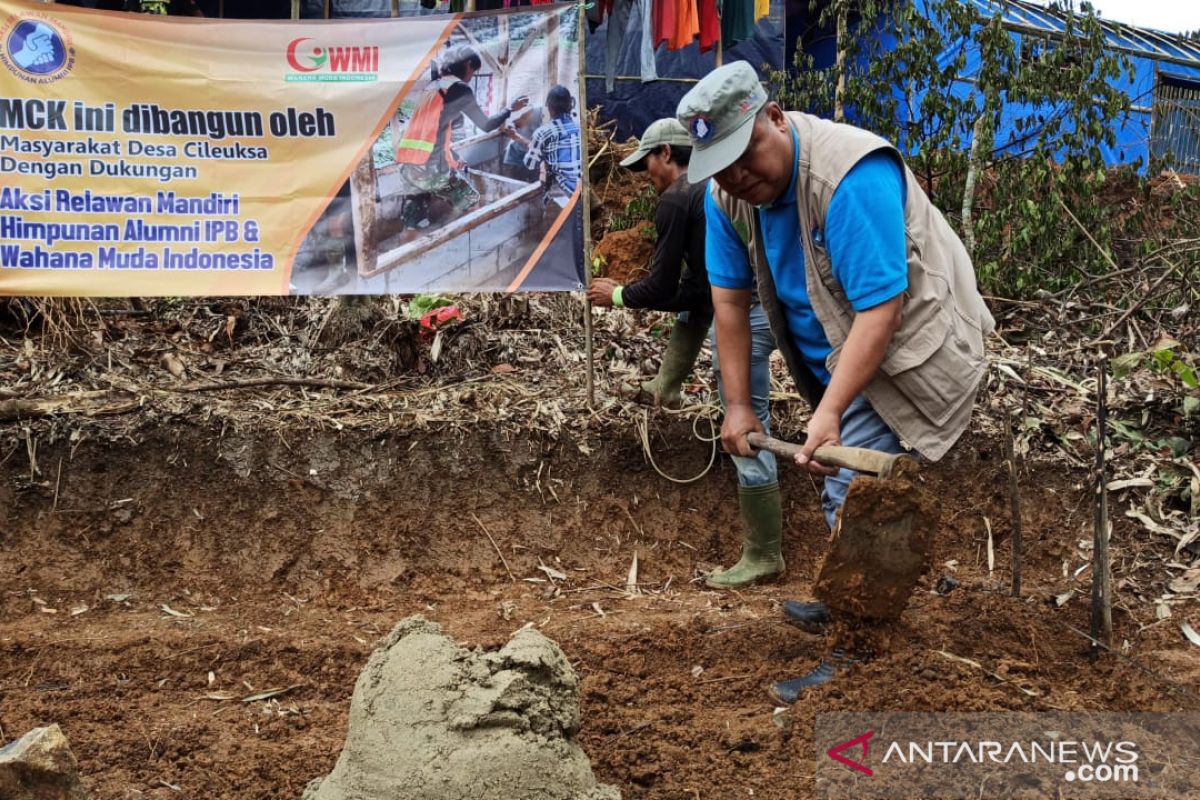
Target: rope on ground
643, 426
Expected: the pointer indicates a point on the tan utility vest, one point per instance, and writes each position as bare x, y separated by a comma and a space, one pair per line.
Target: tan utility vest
925, 388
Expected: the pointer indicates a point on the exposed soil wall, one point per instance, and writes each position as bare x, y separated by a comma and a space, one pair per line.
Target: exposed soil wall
194, 608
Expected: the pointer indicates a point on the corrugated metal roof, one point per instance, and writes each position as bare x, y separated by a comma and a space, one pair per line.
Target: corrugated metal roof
1154, 44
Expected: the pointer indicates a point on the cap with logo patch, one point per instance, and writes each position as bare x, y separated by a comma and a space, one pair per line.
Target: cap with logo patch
659, 132
718, 114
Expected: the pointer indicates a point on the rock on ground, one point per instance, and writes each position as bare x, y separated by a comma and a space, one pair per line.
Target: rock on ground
40, 766
430, 720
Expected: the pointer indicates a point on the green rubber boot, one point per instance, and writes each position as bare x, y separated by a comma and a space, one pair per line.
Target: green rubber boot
682, 348
762, 513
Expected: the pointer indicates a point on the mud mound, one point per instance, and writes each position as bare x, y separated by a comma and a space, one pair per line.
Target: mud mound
432, 721
627, 254
881, 550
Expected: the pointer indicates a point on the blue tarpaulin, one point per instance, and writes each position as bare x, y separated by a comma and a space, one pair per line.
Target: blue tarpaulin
1158, 121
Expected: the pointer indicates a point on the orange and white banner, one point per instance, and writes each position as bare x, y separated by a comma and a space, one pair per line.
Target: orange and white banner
146, 155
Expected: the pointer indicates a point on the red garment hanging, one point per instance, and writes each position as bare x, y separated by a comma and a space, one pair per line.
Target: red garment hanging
710, 25
664, 20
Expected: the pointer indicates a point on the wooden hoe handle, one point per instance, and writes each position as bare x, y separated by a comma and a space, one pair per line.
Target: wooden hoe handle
859, 459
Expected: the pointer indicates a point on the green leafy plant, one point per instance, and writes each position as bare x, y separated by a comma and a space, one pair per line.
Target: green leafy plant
1163, 358
640, 208
1167, 361
422, 304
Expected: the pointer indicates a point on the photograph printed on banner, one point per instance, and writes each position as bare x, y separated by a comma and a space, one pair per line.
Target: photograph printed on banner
475, 182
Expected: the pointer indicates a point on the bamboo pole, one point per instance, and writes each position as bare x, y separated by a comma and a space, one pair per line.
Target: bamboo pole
502, 32
1015, 503
552, 36
585, 197
1101, 628
531, 36
365, 213
660, 79
843, 44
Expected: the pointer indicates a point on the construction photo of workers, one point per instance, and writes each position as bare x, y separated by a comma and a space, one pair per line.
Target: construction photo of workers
460, 191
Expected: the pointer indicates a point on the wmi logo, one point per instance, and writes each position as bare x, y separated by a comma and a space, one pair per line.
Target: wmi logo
314, 62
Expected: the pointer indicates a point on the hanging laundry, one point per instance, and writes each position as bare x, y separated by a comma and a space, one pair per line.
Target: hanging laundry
687, 25
762, 9
664, 20
710, 25
596, 12
620, 22
737, 21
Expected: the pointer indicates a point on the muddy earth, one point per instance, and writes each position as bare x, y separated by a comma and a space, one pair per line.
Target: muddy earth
625, 255
881, 549
195, 607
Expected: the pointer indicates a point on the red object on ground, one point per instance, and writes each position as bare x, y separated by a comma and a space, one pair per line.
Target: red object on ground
438, 318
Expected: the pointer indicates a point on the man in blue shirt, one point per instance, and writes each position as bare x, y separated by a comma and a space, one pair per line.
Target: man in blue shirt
864, 237
822, 217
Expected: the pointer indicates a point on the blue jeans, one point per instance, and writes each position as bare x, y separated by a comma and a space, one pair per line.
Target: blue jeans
861, 427
760, 470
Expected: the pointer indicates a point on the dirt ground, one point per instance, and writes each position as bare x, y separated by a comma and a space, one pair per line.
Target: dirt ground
150, 592
626, 254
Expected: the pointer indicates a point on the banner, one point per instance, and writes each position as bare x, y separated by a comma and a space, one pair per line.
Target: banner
148, 155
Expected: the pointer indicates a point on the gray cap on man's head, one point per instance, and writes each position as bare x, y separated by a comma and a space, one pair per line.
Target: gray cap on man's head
658, 133
718, 114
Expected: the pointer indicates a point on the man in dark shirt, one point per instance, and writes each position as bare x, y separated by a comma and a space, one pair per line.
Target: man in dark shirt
678, 281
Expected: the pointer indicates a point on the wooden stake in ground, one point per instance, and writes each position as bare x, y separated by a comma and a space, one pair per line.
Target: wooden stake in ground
1014, 494
585, 197
1101, 579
